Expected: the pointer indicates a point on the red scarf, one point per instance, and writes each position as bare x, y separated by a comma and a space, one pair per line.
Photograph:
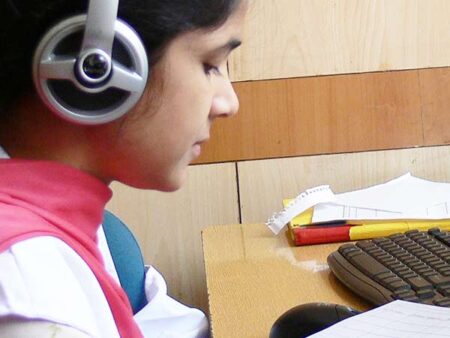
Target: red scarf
40, 198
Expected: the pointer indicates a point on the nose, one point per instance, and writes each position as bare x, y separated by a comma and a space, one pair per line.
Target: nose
225, 102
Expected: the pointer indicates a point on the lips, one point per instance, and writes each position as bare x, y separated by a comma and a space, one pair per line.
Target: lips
196, 150
203, 140
197, 146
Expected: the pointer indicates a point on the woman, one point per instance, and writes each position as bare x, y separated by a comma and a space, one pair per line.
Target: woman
55, 173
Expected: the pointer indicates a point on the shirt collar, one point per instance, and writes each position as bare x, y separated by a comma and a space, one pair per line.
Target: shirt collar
59, 189
3, 153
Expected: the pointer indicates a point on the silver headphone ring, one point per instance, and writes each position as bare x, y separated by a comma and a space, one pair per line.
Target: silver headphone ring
48, 66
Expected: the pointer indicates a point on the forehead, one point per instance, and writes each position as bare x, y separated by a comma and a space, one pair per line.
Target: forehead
231, 29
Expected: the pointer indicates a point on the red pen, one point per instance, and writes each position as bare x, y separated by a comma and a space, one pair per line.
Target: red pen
320, 234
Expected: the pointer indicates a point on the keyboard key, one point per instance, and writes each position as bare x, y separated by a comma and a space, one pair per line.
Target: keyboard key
445, 290
442, 302
396, 251
398, 265
389, 246
418, 283
445, 270
412, 299
439, 280
425, 255
402, 294
368, 264
396, 237
428, 273
407, 274
388, 260
414, 234
433, 231
398, 285
432, 261
425, 294
418, 265
347, 247
381, 256
443, 237
440, 265
407, 295
364, 245
381, 240
393, 283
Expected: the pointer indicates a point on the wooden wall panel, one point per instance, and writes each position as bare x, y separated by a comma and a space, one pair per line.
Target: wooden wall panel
264, 184
435, 92
168, 225
327, 114
292, 38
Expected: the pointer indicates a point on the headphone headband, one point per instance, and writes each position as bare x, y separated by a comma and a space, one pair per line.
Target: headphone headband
85, 81
100, 26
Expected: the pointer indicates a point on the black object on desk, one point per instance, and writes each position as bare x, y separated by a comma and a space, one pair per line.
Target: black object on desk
414, 266
307, 319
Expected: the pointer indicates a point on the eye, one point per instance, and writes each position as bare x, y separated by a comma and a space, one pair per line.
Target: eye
211, 69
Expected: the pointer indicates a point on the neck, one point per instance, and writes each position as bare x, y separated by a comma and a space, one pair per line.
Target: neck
33, 132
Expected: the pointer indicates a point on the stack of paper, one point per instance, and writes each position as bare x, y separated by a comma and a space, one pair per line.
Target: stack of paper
402, 204
406, 197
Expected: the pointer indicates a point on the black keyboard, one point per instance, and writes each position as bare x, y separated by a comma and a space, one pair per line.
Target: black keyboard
414, 266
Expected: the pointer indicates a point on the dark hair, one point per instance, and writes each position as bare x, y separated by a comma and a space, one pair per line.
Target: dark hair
23, 22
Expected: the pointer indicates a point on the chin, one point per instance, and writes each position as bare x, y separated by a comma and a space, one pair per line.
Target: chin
167, 181
166, 184
169, 187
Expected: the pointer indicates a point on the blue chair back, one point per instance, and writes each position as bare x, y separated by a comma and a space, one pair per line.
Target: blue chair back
127, 258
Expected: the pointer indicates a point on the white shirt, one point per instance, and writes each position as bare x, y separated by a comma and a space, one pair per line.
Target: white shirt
42, 277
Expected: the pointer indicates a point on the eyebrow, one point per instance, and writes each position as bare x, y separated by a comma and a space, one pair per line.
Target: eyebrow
229, 46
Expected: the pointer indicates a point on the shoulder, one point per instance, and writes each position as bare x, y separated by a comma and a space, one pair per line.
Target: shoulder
47, 280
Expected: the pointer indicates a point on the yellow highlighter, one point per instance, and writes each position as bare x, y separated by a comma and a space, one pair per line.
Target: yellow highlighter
373, 230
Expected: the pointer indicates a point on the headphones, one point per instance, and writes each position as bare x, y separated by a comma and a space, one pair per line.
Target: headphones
91, 69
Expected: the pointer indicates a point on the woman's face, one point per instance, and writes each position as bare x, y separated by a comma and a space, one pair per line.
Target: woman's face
188, 90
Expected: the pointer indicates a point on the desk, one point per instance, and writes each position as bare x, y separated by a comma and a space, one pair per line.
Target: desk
253, 277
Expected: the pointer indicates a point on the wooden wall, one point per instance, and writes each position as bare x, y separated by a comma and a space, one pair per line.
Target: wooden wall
292, 38
326, 87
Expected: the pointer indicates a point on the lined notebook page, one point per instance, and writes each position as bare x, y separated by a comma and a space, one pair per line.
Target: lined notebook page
398, 319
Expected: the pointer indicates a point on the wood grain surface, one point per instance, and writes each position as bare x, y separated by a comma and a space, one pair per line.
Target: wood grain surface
435, 97
334, 114
294, 38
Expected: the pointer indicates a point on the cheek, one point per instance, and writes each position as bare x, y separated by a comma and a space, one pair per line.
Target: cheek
191, 101
157, 145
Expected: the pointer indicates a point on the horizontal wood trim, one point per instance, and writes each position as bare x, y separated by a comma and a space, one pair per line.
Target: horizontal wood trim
435, 97
294, 38
334, 114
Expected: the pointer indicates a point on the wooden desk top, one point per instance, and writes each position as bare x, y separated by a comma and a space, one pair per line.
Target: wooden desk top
253, 277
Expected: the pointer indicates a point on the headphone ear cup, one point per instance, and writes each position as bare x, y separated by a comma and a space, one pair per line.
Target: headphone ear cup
56, 81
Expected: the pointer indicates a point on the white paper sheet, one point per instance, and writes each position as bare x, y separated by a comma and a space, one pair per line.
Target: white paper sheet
406, 197
398, 319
